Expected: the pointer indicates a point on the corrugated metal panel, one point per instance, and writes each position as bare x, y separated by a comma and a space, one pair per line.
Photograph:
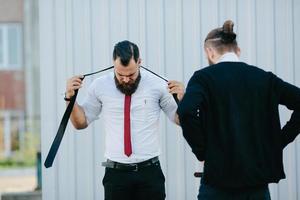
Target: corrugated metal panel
296, 64
77, 36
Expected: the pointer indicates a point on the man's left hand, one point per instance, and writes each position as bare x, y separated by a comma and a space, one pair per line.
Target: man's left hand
176, 87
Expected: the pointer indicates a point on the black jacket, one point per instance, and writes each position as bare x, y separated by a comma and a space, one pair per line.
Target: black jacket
229, 116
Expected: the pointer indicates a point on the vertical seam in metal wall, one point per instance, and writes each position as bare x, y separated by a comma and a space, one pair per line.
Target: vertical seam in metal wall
275, 61
182, 77
109, 28
236, 14
294, 81
256, 34
164, 72
139, 28
146, 35
237, 18
201, 63
66, 49
92, 66
219, 15
73, 64
182, 40
55, 86
66, 66
275, 52
127, 21
293, 39
164, 36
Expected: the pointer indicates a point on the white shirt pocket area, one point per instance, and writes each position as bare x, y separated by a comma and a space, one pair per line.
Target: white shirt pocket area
144, 109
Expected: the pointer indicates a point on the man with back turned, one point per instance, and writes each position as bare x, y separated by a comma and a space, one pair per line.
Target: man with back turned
229, 116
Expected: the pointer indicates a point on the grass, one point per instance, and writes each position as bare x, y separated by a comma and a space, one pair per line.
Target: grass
24, 158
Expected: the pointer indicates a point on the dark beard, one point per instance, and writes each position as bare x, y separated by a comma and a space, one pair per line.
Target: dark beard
128, 88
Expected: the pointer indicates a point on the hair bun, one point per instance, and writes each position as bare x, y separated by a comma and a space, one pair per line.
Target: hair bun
227, 34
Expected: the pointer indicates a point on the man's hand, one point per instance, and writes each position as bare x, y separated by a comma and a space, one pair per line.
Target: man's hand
73, 84
77, 116
176, 87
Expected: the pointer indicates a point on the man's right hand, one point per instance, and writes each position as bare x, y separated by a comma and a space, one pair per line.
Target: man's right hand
73, 84
77, 116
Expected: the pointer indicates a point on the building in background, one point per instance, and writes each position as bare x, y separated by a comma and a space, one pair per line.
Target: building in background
19, 84
77, 37
12, 87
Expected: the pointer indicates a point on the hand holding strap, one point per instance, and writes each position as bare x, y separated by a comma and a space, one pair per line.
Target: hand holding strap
63, 124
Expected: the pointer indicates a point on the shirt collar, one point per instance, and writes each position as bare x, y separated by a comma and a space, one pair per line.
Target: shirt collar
229, 57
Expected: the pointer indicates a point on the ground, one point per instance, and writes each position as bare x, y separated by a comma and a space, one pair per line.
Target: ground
17, 180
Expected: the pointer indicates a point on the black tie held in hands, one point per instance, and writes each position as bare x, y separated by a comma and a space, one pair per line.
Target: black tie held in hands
64, 122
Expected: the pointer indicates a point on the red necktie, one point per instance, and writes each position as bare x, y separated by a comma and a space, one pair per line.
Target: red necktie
127, 137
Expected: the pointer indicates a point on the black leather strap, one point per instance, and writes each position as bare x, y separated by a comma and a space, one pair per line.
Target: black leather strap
63, 124
60, 132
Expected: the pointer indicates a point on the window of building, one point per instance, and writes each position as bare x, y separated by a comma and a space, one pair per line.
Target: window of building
1, 46
11, 46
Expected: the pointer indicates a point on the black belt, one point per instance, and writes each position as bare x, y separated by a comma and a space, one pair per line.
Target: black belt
130, 166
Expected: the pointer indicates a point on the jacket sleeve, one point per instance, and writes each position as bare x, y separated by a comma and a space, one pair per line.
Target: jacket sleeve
289, 95
191, 116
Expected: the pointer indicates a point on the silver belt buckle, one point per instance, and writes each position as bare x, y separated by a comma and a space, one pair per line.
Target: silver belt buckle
108, 164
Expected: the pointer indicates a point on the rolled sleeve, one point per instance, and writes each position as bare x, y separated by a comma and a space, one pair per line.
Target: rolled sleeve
168, 105
91, 105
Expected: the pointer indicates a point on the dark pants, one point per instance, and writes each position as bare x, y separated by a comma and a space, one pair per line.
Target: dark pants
145, 184
207, 192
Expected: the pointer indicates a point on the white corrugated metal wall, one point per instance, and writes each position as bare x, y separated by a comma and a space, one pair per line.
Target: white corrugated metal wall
77, 36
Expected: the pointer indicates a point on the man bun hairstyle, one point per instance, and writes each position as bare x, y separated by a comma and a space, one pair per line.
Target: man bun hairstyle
227, 34
223, 38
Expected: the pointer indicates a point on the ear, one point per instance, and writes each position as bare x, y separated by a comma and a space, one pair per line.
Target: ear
139, 61
238, 51
209, 53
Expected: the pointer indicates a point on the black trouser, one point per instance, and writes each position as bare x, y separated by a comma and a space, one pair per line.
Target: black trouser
207, 192
147, 183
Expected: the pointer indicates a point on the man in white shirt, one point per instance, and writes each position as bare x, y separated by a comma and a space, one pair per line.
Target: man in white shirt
130, 100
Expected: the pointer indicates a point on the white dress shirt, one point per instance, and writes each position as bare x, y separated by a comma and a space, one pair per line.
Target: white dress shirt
149, 99
229, 57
